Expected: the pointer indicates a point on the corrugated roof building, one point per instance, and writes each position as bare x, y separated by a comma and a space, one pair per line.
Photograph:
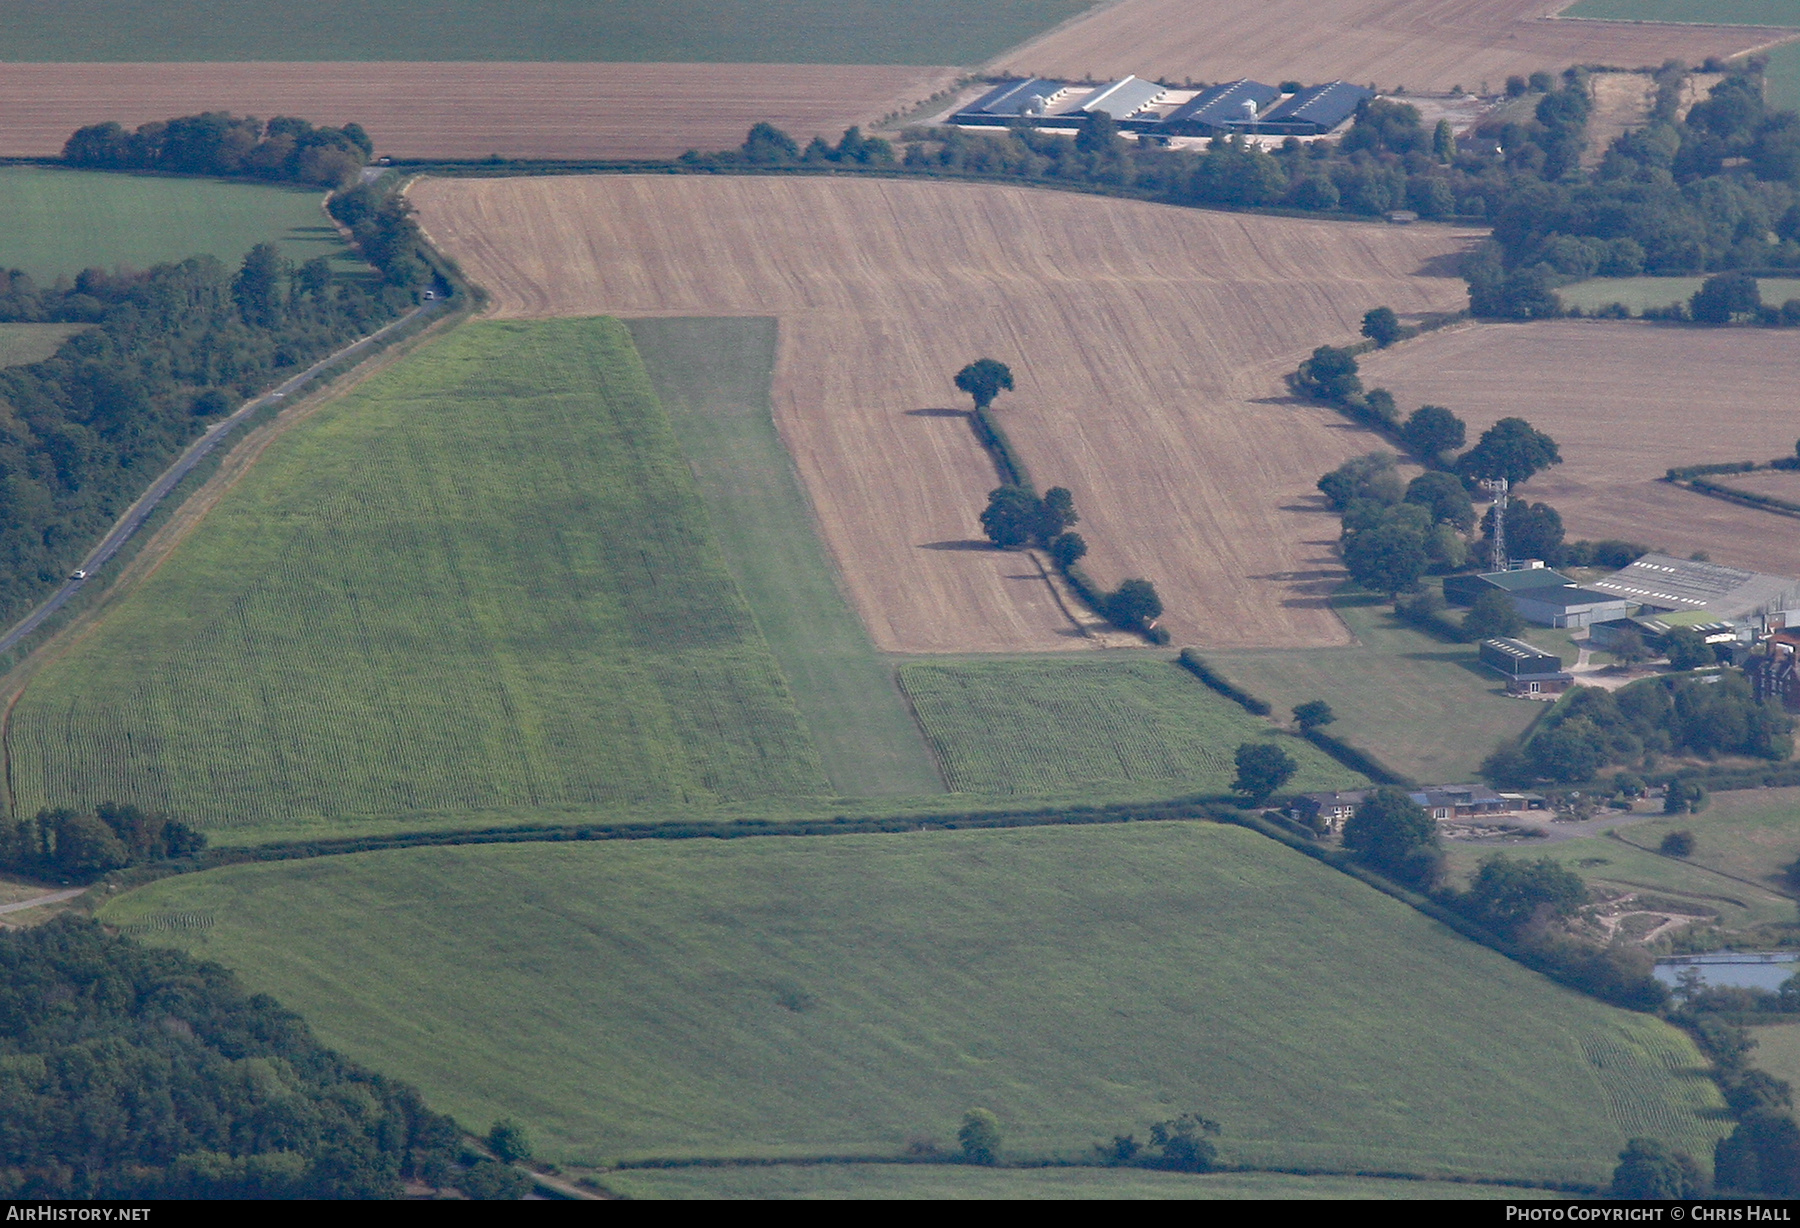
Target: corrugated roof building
1012, 100
1122, 98
1315, 110
1207, 113
1661, 584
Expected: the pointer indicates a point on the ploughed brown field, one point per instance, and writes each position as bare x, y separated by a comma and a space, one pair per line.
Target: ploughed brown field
583, 111
1424, 45
1626, 401
1147, 343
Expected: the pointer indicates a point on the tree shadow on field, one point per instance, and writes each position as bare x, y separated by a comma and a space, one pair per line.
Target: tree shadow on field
959, 544
1448, 264
1313, 588
938, 413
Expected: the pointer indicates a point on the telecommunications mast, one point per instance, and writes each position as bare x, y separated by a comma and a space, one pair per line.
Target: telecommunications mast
1497, 486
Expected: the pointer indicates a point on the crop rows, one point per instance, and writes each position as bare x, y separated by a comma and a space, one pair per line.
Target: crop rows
1050, 725
1634, 1067
483, 583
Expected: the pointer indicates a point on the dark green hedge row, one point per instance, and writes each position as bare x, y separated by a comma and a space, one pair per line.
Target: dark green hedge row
994, 438
1196, 664
1767, 502
1355, 759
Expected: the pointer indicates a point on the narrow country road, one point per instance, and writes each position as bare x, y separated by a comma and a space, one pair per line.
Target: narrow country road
54, 897
196, 452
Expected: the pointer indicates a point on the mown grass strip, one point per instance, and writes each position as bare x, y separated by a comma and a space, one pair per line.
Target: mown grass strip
713, 377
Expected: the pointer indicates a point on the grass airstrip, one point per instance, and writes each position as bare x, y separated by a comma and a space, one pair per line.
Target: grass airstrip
481, 582
787, 997
61, 222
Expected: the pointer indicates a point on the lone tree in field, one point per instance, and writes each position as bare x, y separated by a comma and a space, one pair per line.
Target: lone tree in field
984, 379
1262, 768
508, 1140
1011, 517
980, 1137
1313, 714
1432, 430
1382, 326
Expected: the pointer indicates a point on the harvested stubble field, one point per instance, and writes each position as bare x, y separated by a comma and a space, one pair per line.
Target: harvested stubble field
1626, 401
1776, 483
1424, 45
481, 582
1107, 727
1146, 342
471, 110
844, 994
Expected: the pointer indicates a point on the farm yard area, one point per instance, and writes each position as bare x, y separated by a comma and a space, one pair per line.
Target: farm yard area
1148, 344
471, 111
1626, 402
1423, 47
842, 995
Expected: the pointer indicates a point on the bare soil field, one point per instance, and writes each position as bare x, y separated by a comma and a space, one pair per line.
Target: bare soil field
472, 110
1626, 401
1141, 338
1429, 45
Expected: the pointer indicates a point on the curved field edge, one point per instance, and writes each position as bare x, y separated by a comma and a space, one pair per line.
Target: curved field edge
480, 582
771, 998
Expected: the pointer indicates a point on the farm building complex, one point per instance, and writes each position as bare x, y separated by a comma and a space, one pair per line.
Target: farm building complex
1330, 811
1657, 591
1149, 109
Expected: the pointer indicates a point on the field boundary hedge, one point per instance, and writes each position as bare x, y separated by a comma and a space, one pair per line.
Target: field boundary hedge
1695, 478
1197, 665
1000, 446
1357, 759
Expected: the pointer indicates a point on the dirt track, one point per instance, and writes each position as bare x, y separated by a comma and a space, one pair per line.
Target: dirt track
1138, 335
1626, 401
1424, 45
471, 110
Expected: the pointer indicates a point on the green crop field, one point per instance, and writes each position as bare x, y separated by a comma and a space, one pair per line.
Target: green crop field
482, 582
27, 343
942, 1181
721, 31
713, 377
1130, 725
1424, 707
1637, 293
851, 994
1777, 1051
61, 222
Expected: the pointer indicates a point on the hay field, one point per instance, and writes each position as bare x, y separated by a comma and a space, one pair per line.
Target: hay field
844, 994
471, 110
1144, 340
482, 582
1626, 402
1424, 45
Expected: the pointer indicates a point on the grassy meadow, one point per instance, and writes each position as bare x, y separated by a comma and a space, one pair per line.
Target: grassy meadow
21, 344
656, 31
60, 222
713, 378
1424, 707
482, 582
854, 994
1115, 726
941, 1181
1637, 293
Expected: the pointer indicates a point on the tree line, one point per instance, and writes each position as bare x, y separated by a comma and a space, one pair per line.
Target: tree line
1674, 714
1016, 516
131, 1072
284, 149
84, 844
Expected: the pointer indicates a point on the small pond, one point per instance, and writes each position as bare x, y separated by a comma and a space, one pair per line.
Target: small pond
1744, 969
